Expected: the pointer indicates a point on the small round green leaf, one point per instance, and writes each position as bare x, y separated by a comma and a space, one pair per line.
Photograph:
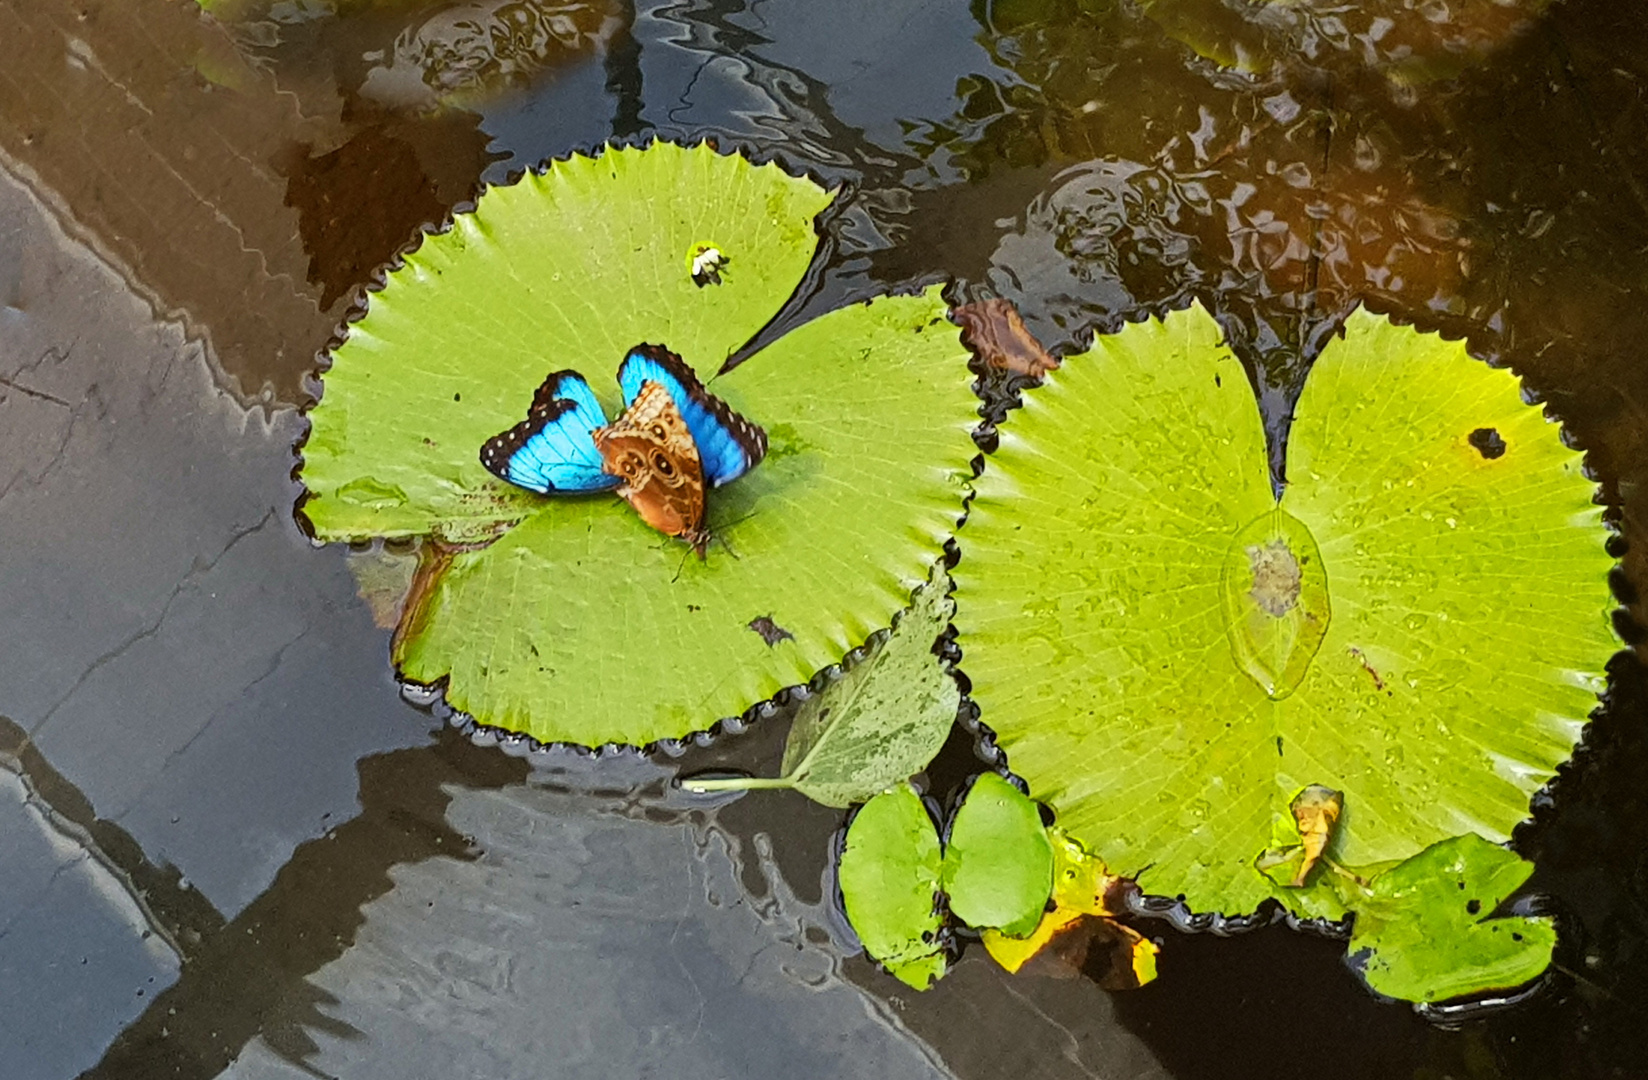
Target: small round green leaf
1107, 602
1424, 933
998, 863
889, 876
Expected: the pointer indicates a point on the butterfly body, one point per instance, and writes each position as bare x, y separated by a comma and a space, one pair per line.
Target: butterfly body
655, 459
673, 441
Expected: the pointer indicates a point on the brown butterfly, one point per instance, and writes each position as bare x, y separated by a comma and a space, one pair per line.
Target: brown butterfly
655, 458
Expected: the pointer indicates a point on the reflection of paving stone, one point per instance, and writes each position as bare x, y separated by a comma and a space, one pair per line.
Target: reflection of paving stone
178, 652
171, 168
71, 942
583, 943
175, 647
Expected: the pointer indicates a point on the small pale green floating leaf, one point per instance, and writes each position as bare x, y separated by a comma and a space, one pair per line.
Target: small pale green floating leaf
889, 875
1424, 933
1457, 537
579, 623
998, 862
1275, 601
877, 725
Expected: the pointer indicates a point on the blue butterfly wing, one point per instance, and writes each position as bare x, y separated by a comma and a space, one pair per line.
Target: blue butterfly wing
552, 450
728, 445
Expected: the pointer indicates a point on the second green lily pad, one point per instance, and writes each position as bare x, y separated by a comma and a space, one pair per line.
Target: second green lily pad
1463, 585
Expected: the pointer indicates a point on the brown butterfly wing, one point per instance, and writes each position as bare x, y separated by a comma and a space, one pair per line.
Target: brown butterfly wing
651, 451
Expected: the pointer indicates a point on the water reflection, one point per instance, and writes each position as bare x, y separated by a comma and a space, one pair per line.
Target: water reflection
362, 203
606, 943
470, 53
154, 138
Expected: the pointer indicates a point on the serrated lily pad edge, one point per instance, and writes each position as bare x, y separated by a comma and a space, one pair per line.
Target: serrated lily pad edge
431, 698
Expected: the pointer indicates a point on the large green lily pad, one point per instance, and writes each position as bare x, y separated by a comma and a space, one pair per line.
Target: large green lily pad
1167, 654
568, 618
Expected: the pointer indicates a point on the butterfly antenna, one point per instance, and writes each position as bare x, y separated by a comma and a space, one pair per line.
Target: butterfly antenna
738, 520
722, 540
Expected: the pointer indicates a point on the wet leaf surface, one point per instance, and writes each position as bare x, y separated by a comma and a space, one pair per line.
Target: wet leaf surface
1275, 597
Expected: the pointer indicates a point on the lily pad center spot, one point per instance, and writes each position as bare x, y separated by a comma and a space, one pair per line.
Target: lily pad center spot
1275, 599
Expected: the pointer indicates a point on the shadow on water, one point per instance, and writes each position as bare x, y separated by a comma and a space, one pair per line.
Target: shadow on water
247, 978
182, 916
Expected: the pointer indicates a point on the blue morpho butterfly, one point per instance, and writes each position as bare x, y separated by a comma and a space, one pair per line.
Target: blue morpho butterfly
672, 438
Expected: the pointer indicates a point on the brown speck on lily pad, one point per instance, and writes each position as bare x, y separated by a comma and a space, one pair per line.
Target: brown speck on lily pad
770, 631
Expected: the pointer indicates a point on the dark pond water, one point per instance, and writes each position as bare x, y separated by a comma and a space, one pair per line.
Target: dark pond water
229, 848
